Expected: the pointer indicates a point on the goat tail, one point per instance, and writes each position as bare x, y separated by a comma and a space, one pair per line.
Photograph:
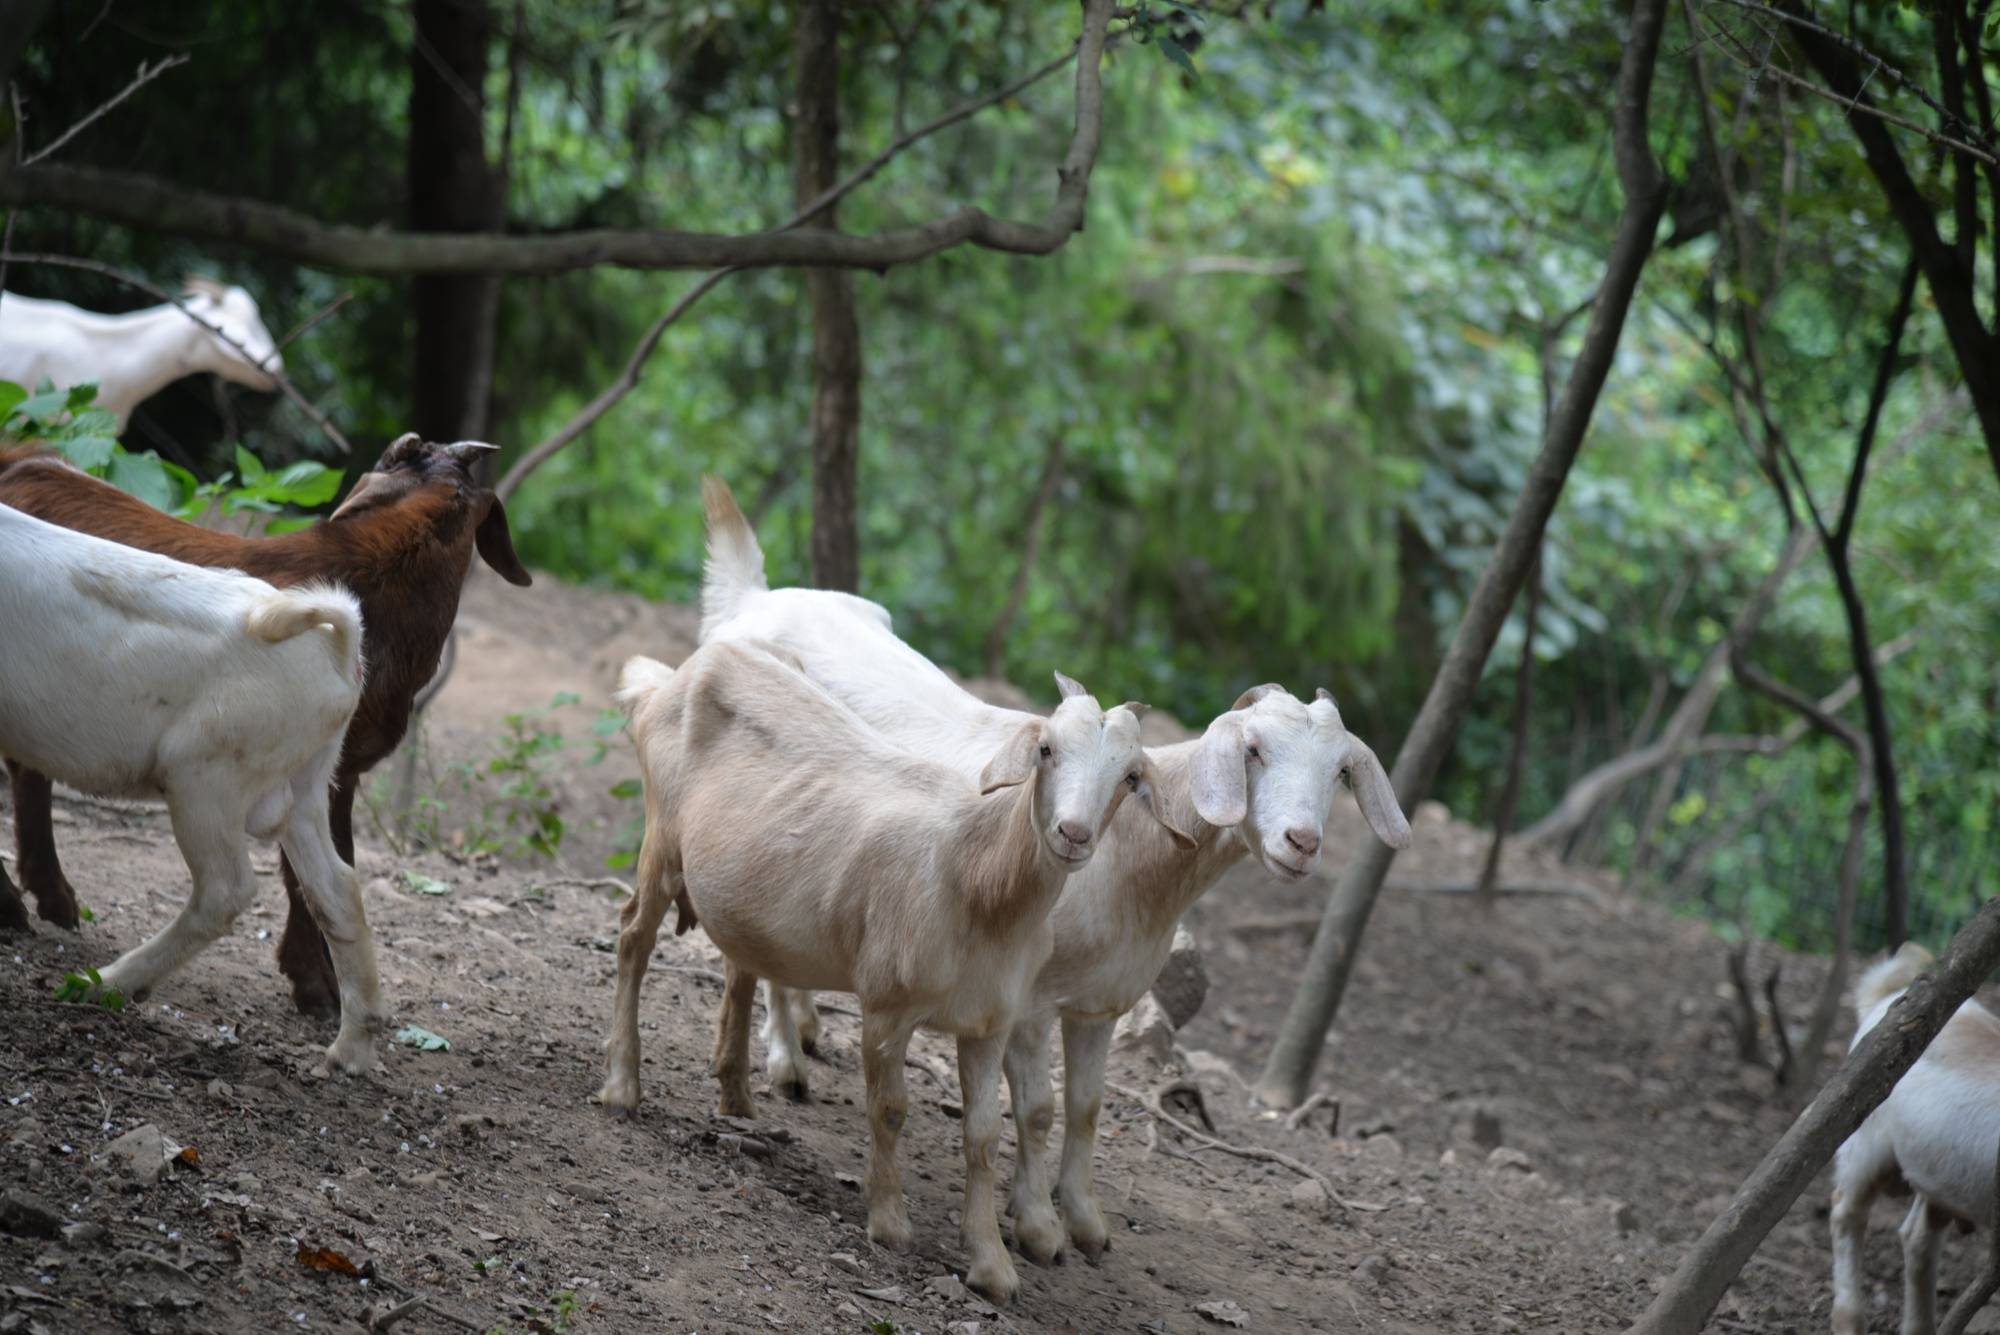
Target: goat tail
735, 564
283, 614
1890, 976
637, 681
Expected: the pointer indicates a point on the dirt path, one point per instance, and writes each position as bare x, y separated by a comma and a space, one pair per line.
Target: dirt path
1591, 1031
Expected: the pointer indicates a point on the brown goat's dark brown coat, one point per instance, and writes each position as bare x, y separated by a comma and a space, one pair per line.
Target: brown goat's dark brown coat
402, 541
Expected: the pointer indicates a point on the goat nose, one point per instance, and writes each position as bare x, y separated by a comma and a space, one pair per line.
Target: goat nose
1306, 841
1076, 832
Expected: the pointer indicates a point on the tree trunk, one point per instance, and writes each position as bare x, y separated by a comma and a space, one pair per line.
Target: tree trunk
1317, 999
1864, 1079
452, 189
836, 396
1524, 699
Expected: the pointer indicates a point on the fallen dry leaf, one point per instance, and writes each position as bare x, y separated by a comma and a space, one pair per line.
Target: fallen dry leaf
326, 1258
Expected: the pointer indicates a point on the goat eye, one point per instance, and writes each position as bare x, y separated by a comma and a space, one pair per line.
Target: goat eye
1133, 779
1255, 754
1046, 753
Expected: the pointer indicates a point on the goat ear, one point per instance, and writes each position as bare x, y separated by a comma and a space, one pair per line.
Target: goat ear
354, 500
1069, 686
496, 545
1014, 763
1374, 795
1149, 793
1219, 779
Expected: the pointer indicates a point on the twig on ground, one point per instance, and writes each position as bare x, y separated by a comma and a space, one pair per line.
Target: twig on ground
290, 390
581, 883
1296, 1118
1968, 1303
1780, 1035
1749, 1049
1151, 1103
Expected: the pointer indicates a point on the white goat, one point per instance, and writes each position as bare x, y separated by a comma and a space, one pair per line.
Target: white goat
1935, 1135
134, 356
817, 854
133, 675
1261, 781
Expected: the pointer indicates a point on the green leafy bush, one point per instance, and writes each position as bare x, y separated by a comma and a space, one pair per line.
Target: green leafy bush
68, 421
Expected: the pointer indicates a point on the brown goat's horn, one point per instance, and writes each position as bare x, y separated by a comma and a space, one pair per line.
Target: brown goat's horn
1256, 693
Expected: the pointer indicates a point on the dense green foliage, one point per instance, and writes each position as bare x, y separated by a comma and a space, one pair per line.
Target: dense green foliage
1291, 374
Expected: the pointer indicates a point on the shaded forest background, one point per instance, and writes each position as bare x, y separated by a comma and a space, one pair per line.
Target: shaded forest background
1262, 420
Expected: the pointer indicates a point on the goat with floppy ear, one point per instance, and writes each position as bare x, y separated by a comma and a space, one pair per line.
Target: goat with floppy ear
402, 540
890, 877
1261, 781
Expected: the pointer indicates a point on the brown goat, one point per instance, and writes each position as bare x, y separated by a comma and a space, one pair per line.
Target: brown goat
402, 541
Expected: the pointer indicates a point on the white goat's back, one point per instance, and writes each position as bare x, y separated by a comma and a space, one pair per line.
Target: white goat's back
118, 666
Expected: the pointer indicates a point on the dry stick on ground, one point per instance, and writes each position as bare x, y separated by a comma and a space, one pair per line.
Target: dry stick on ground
1287, 1076
1152, 1104
1781, 1037
1968, 1304
1749, 1048
291, 391
1862, 1081
1075, 176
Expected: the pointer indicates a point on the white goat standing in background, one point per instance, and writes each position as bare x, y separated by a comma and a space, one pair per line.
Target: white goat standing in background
133, 675
1935, 1134
134, 356
816, 853
1260, 782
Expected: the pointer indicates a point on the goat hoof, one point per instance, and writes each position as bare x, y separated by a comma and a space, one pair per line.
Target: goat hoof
618, 1097
1092, 1247
1039, 1236
14, 916
994, 1280
733, 1104
313, 997
890, 1231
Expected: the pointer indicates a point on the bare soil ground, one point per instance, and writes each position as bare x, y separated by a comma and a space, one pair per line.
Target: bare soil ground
1591, 1031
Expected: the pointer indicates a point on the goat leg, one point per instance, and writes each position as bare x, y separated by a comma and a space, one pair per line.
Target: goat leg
36, 862
303, 956
13, 913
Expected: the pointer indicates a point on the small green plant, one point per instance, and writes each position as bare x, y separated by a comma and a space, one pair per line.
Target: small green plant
512, 790
85, 912
68, 421
88, 986
490, 1264
565, 1304
882, 1325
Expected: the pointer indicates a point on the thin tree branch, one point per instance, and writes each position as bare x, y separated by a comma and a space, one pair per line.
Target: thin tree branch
145, 76
133, 280
151, 204
1876, 64
1089, 103
311, 322
1878, 394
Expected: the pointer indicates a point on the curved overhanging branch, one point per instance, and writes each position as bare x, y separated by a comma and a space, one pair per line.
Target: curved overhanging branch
1073, 186
151, 204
